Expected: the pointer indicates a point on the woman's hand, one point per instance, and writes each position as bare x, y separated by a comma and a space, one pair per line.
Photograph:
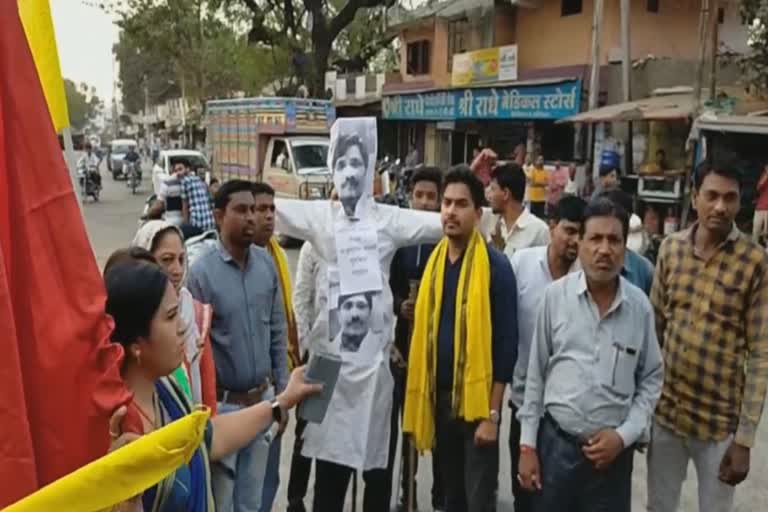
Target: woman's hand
115, 430
297, 389
118, 441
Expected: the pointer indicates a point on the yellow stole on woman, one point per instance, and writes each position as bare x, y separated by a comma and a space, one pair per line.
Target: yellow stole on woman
472, 363
283, 274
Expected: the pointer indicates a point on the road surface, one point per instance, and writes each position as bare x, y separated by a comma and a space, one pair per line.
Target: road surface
112, 223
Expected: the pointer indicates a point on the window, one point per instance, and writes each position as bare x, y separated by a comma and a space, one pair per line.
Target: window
458, 39
280, 158
418, 58
653, 6
570, 7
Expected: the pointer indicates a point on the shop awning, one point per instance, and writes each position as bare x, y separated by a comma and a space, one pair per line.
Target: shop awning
733, 124
656, 108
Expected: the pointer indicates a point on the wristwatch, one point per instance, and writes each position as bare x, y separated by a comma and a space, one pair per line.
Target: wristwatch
495, 417
277, 411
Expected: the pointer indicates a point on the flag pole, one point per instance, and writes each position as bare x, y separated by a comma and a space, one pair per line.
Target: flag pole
69, 156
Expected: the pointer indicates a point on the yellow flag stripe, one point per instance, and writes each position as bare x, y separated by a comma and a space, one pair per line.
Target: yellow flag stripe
38, 25
123, 473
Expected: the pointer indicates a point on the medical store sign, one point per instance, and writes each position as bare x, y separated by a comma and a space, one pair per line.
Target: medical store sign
551, 101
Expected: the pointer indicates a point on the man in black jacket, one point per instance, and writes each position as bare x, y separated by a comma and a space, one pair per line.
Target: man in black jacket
405, 274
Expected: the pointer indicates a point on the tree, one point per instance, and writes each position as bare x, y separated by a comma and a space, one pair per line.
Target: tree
177, 47
754, 65
313, 29
83, 104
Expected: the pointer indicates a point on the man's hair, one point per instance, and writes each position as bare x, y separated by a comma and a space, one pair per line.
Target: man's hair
461, 174
224, 194
347, 141
433, 174
619, 197
263, 188
368, 298
604, 207
213, 180
727, 167
570, 208
511, 177
605, 170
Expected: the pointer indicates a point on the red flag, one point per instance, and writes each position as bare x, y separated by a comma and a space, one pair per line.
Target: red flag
59, 374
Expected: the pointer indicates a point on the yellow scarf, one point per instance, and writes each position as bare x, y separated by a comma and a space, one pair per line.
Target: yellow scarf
124, 473
294, 356
472, 364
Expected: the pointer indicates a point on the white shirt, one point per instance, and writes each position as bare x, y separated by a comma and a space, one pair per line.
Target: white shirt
531, 267
355, 432
527, 231
591, 372
309, 272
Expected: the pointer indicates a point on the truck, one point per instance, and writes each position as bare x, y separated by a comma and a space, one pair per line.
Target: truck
280, 141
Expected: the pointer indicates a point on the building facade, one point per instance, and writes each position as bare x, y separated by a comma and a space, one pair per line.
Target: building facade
501, 73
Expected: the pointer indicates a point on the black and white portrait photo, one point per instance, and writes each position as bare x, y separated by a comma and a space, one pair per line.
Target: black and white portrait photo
355, 314
353, 158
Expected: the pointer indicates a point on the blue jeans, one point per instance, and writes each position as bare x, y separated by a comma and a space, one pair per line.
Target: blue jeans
570, 481
272, 476
238, 478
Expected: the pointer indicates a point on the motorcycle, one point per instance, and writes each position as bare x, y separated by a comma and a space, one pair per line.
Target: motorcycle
133, 177
401, 177
90, 182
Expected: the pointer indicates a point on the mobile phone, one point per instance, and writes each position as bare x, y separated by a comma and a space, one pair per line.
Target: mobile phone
324, 369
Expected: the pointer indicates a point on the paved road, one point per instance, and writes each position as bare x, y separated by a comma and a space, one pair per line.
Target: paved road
112, 223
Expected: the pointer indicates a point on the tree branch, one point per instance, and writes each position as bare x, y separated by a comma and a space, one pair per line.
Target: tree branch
348, 12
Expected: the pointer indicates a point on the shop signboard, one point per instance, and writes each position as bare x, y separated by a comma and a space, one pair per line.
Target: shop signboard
484, 66
544, 102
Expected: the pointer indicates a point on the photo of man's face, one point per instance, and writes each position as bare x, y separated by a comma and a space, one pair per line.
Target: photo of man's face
354, 317
350, 164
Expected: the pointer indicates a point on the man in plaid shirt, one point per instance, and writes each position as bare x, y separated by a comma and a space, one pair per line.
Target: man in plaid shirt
710, 297
196, 203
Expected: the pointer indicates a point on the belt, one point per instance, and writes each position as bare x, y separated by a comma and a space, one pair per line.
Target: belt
243, 398
562, 433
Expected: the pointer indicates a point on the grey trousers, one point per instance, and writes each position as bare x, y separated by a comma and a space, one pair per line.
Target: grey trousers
570, 482
469, 472
668, 457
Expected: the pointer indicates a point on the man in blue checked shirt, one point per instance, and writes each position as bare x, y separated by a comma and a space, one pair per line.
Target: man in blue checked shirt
196, 203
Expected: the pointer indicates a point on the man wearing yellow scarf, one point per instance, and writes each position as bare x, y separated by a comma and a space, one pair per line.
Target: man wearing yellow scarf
264, 237
463, 350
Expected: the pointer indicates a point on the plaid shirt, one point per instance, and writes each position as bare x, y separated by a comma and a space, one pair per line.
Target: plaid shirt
195, 193
712, 323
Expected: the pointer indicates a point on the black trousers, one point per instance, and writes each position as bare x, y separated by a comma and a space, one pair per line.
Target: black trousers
398, 402
301, 468
332, 480
522, 497
570, 482
469, 472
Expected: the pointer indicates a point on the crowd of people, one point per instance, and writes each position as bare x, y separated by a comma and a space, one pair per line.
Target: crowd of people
604, 356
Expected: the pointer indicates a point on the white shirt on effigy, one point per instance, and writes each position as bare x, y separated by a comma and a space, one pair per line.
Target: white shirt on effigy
356, 429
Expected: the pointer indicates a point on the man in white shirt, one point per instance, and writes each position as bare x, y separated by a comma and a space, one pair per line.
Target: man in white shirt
515, 227
535, 268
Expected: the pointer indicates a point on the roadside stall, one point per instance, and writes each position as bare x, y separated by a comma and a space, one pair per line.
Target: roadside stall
653, 167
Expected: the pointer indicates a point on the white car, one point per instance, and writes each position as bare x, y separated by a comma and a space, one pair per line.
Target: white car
195, 160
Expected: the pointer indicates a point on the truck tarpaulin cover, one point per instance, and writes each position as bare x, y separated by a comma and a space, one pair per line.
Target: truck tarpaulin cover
59, 374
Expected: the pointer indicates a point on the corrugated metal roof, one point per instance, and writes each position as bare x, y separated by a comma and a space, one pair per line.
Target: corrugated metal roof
737, 124
672, 106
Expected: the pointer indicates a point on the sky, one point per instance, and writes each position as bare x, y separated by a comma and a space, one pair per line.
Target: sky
85, 35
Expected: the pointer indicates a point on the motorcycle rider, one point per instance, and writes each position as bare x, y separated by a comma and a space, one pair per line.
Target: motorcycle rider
89, 163
133, 157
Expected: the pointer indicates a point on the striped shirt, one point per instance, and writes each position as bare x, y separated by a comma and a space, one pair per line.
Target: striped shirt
712, 322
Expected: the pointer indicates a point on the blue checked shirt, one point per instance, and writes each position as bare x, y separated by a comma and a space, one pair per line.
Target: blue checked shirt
195, 193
